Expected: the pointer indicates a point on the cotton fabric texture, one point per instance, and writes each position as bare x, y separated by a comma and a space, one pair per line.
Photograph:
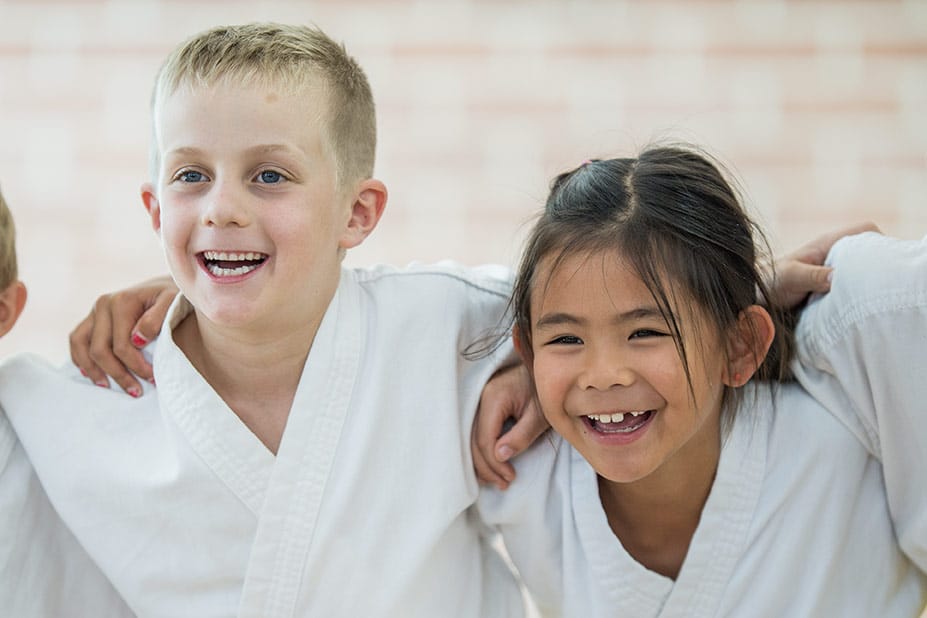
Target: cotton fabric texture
818, 507
366, 509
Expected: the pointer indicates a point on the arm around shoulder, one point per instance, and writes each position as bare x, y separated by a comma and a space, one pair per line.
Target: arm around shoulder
861, 352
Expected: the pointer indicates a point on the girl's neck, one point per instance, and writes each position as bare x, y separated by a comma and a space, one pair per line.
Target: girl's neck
255, 372
656, 517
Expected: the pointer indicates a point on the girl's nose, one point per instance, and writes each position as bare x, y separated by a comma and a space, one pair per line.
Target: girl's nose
604, 370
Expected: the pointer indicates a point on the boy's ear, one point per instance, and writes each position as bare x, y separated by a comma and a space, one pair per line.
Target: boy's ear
748, 344
12, 301
366, 211
152, 206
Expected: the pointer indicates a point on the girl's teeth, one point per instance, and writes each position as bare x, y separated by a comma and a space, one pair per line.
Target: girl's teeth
614, 418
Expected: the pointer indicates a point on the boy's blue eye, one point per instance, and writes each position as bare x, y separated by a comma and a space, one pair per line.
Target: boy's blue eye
270, 177
191, 176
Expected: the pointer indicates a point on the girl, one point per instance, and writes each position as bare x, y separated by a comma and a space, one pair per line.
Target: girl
679, 486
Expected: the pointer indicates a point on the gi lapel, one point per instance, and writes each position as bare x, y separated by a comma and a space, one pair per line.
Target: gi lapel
304, 460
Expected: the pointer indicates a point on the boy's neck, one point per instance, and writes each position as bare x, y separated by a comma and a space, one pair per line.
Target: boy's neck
255, 374
656, 517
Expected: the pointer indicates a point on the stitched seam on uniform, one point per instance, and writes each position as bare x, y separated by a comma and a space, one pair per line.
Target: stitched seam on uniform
502, 289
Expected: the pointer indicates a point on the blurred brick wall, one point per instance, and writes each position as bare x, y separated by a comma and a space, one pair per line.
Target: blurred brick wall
820, 107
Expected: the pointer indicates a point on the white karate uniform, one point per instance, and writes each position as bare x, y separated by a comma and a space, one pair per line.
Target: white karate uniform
819, 505
44, 572
366, 509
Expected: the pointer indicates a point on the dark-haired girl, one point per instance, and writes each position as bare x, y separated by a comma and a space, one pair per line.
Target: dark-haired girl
690, 476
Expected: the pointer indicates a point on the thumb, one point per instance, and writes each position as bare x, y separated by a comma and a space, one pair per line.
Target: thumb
523, 433
812, 278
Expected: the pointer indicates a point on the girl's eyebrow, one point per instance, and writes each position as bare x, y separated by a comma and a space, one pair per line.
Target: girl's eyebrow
550, 320
556, 319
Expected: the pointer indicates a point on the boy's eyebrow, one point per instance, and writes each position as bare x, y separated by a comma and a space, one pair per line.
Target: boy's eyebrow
184, 150
561, 318
259, 149
270, 148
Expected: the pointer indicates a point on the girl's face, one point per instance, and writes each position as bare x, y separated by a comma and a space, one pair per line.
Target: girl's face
609, 377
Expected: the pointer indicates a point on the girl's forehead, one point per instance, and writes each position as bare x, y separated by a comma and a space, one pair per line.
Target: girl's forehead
605, 281
582, 277
564, 265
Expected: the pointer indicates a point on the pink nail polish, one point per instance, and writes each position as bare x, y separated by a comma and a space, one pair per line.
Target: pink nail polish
138, 341
83, 373
134, 392
102, 384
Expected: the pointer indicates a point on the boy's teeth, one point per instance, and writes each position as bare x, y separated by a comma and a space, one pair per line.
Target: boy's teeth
230, 272
232, 257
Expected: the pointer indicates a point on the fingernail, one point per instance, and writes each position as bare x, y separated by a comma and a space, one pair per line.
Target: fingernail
138, 341
151, 381
134, 392
830, 276
102, 384
504, 452
83, 373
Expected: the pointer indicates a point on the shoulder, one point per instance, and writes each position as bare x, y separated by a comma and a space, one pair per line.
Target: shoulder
542, 473
801, 423
491, 280
30, 367
29, 382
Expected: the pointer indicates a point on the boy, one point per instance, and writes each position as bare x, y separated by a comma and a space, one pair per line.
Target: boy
194, 500
43, 570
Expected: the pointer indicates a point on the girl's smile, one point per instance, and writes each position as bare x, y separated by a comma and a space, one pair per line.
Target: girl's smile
619, 427
609, 374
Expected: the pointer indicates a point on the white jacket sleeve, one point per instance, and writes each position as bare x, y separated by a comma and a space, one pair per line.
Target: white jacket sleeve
44, 572
862, 352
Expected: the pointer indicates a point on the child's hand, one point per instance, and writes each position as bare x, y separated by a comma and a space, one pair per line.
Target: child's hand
506, 397
802, 272
109, 340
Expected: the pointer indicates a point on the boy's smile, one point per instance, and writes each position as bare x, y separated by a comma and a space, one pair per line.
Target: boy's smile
227, 265
609, 377
247, 205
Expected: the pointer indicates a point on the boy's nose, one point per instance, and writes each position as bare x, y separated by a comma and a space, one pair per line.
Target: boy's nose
225, 206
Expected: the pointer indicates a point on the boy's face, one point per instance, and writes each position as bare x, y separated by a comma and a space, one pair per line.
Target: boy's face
246, 203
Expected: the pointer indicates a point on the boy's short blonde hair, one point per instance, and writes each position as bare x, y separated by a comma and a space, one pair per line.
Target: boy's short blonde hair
286, 56
8, 270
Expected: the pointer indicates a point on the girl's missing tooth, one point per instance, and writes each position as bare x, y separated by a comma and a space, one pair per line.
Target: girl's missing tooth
678, 484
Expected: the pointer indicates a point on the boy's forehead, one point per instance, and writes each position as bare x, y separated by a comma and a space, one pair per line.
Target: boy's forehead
292, 107
237, 119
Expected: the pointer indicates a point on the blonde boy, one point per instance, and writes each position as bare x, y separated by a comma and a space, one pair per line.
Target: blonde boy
307, 450
43, 570
12, 290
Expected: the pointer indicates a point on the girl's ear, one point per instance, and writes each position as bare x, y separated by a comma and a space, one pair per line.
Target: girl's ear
365, 213
152, 206
748, 344
524, 351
